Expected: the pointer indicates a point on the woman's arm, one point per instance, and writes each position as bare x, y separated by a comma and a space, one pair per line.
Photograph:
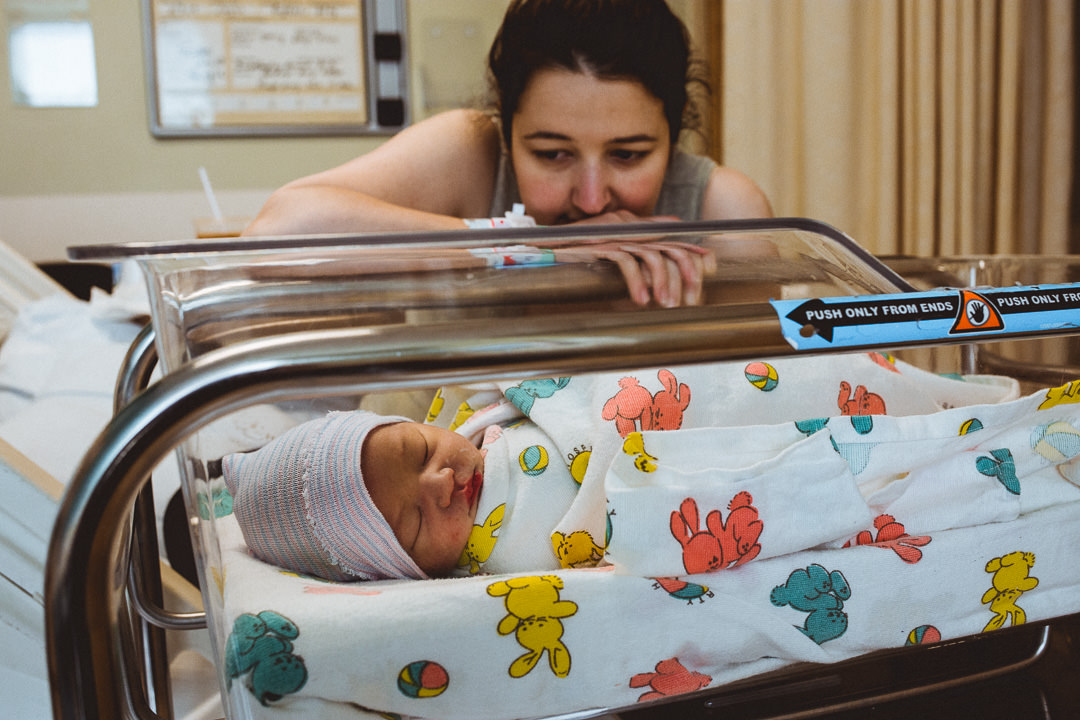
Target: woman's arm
427, 177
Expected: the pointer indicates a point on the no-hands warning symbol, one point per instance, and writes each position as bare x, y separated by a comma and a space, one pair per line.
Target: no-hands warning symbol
977, 314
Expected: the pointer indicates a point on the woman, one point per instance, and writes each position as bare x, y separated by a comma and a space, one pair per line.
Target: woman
590, 100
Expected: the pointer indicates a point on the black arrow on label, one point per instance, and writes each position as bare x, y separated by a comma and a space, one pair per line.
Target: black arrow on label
817, 316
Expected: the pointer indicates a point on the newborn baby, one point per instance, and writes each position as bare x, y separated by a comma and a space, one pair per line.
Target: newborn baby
357, 495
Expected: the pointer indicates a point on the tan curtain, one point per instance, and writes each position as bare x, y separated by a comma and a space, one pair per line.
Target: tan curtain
924, 127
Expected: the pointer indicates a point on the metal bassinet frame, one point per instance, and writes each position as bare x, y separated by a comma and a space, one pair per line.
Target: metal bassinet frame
104, 618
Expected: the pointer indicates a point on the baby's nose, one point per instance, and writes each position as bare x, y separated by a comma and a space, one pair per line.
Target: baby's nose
441, 485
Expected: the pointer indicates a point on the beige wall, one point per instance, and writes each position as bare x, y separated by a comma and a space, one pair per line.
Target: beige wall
97, 175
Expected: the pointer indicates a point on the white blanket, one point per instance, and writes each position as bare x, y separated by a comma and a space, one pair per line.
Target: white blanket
972, 516
515, 645
723, 470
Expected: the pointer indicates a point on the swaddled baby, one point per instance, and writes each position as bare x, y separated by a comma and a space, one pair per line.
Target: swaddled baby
357, 495
543, 474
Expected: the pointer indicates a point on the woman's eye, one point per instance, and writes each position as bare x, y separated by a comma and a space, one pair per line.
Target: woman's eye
551, 155
623, 155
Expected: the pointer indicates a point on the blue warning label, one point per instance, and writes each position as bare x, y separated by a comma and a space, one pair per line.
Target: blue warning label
925, 316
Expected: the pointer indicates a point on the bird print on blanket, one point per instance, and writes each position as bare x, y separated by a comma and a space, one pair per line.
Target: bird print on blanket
634, 446
683, 590
576, 549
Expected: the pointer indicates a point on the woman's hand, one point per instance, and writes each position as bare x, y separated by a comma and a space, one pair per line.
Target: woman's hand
671, 273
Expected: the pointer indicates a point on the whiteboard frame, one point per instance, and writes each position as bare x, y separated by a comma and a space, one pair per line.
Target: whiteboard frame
384, 81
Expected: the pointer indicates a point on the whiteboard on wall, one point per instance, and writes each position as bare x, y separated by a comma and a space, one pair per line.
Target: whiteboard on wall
275, 67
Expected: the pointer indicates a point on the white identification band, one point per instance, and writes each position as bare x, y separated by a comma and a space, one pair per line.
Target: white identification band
514, 255
513, 218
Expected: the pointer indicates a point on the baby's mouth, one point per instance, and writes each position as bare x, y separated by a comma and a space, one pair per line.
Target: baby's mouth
472, 487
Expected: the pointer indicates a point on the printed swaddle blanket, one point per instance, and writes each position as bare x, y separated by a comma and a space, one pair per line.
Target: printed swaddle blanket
723, 479
967, 502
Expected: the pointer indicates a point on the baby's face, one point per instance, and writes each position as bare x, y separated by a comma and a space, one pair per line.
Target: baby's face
425, 481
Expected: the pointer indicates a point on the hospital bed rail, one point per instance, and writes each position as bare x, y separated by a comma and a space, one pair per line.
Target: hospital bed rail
85, 591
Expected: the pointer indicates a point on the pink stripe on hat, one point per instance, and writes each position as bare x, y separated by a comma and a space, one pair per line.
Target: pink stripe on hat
302, 504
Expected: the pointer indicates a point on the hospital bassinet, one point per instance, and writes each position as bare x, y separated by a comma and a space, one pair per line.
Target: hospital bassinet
287, 327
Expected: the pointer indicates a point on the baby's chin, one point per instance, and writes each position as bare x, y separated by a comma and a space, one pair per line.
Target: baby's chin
443, 570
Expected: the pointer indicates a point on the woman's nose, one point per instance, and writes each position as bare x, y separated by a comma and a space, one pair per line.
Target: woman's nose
592, 192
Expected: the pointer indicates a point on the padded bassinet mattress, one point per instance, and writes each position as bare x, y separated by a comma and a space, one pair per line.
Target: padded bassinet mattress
595, 638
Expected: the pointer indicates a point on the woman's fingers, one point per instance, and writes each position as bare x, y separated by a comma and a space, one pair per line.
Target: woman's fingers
666, 285
678, 270
638, 279
669, 273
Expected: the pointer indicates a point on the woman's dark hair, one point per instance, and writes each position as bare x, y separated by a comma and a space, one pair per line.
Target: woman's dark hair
639, 40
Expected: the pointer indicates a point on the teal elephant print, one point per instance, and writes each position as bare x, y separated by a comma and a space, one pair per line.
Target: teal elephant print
820, 593
260, 647
525, 393
218, 504
857, 454
1000, 465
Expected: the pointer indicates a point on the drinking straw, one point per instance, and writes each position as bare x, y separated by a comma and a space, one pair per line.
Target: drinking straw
210, 198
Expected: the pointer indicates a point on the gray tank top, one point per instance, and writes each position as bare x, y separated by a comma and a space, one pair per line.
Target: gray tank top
681, 194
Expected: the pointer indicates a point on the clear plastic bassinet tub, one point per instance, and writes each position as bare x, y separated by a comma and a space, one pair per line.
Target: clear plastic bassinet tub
256, 335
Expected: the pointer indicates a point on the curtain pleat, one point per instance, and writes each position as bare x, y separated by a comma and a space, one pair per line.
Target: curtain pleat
924, 127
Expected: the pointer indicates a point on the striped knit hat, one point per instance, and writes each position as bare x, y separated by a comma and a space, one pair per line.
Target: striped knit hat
302, 504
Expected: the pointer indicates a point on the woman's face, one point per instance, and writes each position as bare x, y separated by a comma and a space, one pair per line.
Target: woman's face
584, 146
426, 482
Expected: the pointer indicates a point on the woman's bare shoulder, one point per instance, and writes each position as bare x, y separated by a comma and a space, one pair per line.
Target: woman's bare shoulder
471, 126
731, 194
445, 163
457, 137
461, 146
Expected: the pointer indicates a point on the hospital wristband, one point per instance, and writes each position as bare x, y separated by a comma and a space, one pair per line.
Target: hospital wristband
514, 255
512, 218
497, 222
